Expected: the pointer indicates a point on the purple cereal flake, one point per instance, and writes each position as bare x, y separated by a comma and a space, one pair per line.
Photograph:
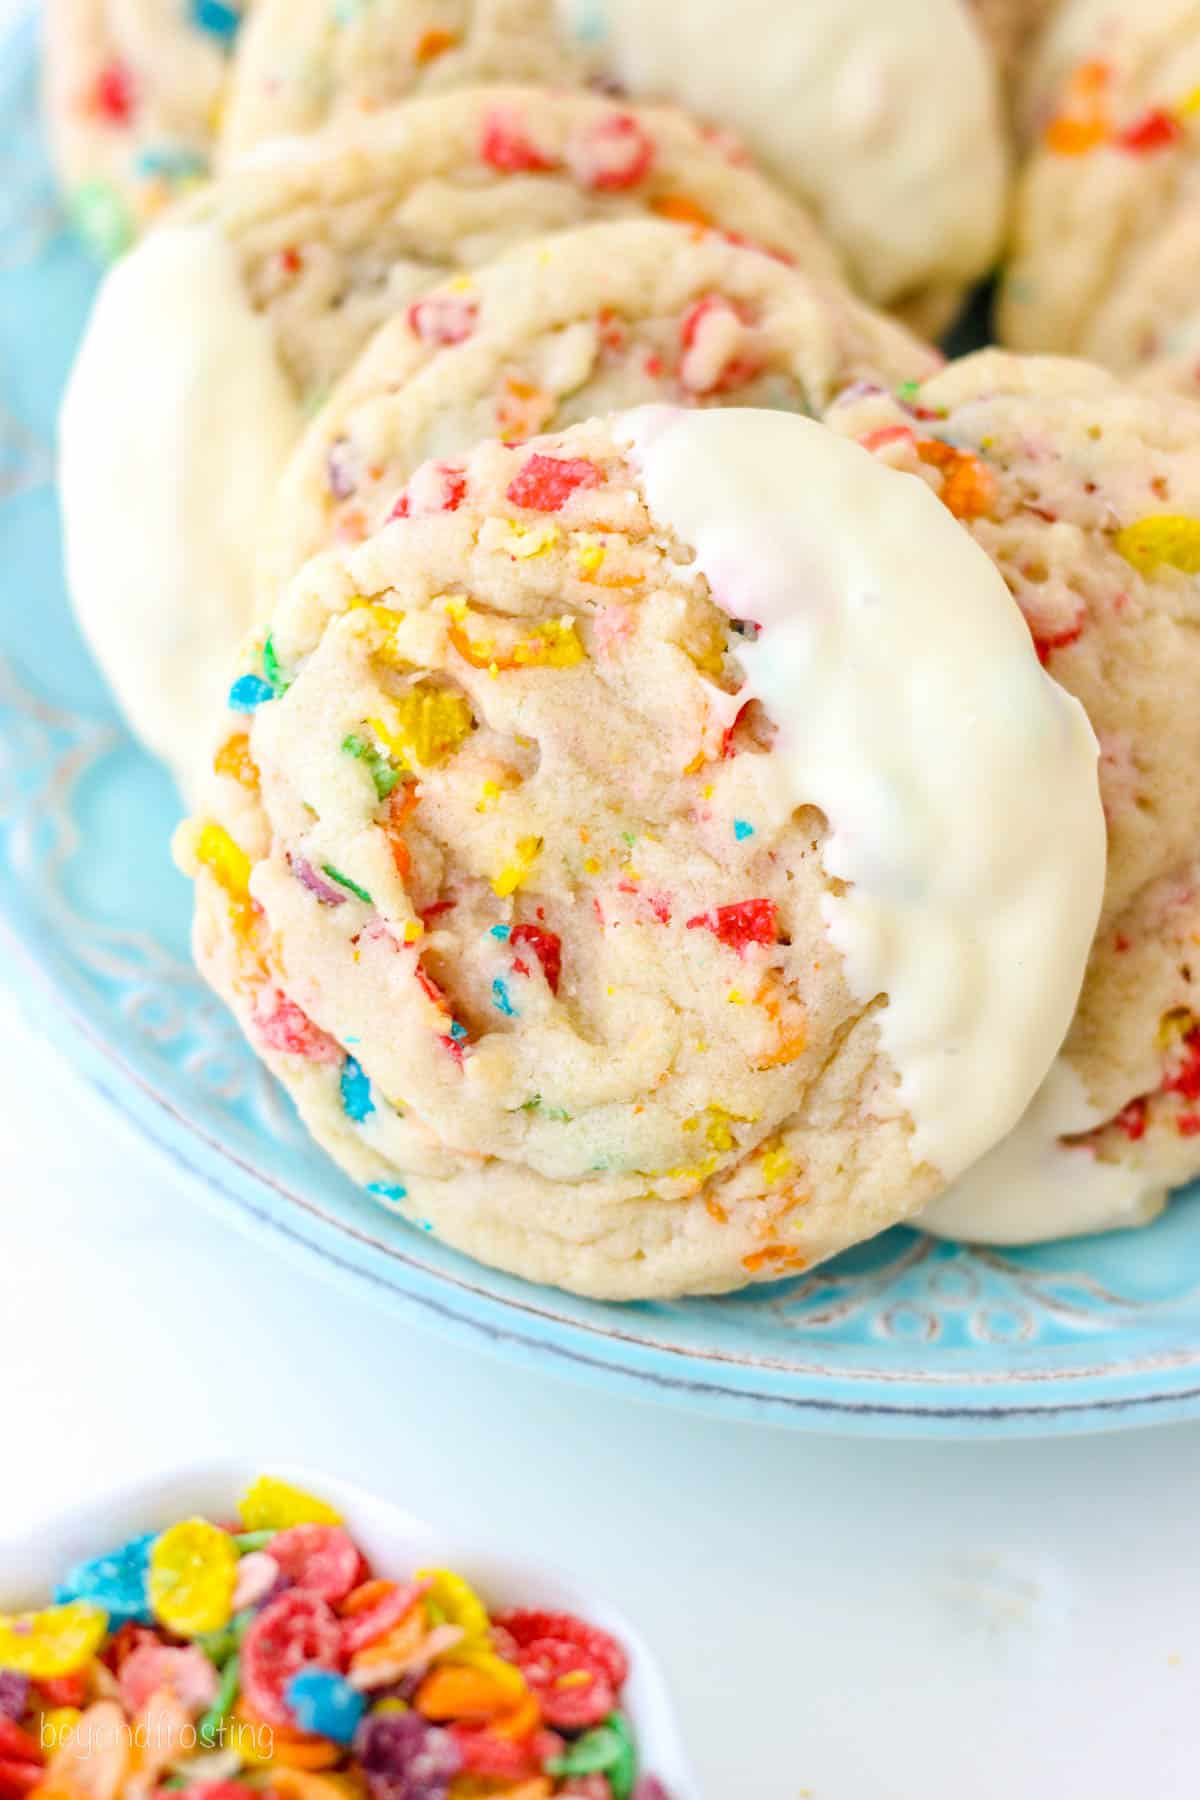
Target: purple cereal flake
14, 1695
338, 475
650, 1788
405, 1758
316, 884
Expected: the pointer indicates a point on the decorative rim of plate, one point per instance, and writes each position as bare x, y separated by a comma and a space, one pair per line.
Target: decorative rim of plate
1022, 1397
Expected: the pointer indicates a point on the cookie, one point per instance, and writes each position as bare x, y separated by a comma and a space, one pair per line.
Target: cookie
1085, 491
1010, 27
133, 97
1102, 262
885, 120
591, 321
213, 339
544, 871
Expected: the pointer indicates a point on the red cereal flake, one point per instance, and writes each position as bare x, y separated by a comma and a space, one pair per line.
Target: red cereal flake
373, 1609
128, 1638
887, 434
318, 1559
114, 96
443, 318
572, 1687
1156, 129
490, 1755
712, 334
280, 1024
291, 260
435, 488
748, 922
1047, 643
525, 1626
1188, 1124
546, 483
73, 1690
505, 145
546, 946
19, 1778
1132, 1120
17, 1745
614, 154
296, 1630
1184, 1078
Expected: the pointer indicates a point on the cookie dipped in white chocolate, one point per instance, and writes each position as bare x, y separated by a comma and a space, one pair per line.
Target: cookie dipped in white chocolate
174, 428
663, 861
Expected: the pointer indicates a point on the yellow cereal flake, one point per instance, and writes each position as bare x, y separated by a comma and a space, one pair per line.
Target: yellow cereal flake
554, 645
527, 541
776, 1163
1171, 539
425, 726
384, 624
592, 866
413, 930
272, 1505
697, 1171
516, 871
225, 860
588, 558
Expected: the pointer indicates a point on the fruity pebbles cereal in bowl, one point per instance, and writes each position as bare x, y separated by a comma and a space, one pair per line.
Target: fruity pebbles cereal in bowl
238, 1638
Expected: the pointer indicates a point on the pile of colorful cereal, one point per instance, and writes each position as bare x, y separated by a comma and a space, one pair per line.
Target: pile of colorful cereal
266, 1657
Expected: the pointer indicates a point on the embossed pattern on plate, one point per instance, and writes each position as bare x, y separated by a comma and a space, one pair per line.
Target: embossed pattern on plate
902, 1334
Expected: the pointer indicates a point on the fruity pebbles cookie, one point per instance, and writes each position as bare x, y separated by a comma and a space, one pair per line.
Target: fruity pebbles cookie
885, 119
545, 873
1105, 259
588, 322
1086, 494
210, 342
134, 92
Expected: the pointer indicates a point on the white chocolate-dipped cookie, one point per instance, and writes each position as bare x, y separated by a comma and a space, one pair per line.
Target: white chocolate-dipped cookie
883, 116
551, 883
134, 90
210, 342
1086, 493
1103, 260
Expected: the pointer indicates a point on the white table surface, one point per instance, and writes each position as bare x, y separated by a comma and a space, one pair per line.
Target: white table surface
841, 1620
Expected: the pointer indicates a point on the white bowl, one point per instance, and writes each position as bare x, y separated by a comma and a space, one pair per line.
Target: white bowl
395, 1543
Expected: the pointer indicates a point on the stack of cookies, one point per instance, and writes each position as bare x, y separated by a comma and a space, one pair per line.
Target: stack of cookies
681, 779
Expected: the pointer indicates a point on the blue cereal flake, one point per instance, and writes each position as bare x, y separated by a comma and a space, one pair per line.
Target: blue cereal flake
503, 932
218, 19
391, 1191
587, 21
457, 1032
172, 162
356, 1091
742, 829
249, 692
501, 1001
116, 1581
323, 1702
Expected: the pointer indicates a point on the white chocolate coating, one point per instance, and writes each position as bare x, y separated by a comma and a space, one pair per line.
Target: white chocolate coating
959, 781
1032, 1187
884, 114
174, 428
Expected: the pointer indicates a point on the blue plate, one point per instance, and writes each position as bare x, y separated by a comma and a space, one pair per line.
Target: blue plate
902, 1335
